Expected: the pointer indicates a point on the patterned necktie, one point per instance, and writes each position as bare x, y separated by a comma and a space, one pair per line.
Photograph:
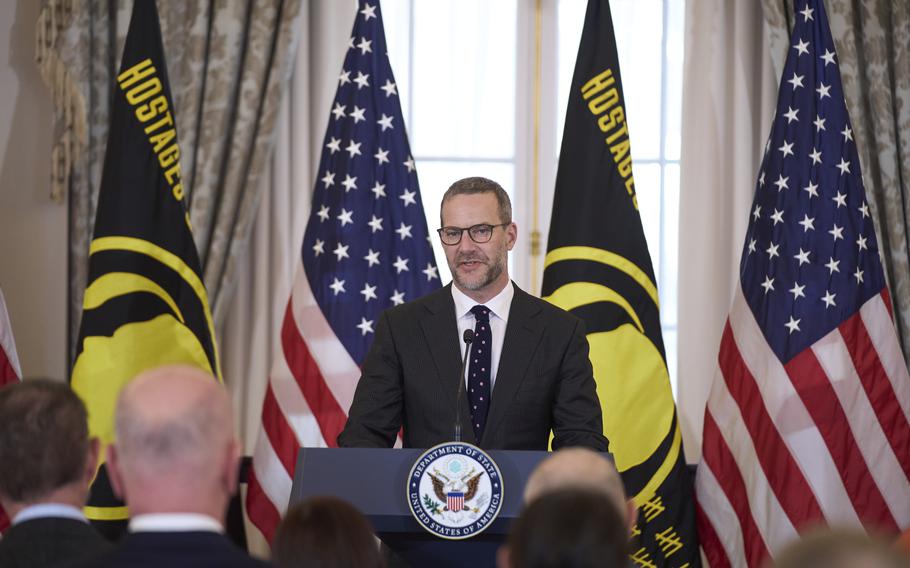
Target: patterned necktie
479, 370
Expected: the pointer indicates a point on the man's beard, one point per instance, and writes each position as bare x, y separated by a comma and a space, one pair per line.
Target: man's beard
493, 269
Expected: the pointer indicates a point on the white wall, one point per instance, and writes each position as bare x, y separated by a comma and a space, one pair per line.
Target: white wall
32, 228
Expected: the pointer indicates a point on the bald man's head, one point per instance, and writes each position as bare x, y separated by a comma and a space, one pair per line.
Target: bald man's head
175, 441
579, 468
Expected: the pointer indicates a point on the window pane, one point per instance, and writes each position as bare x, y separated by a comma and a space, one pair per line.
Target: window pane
676, 10
396, 18
464, 78
638, 25
669, 281
436, 177
647, 187
638, 28
670, 341
571, 19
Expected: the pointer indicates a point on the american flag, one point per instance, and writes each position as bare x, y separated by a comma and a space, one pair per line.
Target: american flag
9, 361
9, 370
366, 248
807, 420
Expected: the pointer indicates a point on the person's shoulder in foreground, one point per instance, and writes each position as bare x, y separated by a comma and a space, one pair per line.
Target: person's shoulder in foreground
175, 549
47, 461
175, 465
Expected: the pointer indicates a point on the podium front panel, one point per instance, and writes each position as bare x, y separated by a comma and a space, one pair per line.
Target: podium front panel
375, 481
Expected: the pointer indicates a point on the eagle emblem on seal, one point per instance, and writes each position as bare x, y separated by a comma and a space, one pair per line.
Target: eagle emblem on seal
457, 491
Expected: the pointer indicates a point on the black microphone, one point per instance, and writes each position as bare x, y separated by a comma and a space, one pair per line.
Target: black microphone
468, 338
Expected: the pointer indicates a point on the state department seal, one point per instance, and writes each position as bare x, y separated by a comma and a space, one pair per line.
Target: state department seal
455, 490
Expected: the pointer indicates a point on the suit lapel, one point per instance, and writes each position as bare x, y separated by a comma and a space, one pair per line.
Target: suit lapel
523, 332
440, 332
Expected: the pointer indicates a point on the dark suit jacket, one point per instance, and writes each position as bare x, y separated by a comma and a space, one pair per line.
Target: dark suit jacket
49, 541
411, 374
175, 550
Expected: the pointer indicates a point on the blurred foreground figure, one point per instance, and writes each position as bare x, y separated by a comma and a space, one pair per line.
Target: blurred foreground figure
175, 464
47, 462
567, 528
840, 548
325, 532
580, 468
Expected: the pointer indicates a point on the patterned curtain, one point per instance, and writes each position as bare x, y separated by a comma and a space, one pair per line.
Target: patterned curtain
873, 48
228, 64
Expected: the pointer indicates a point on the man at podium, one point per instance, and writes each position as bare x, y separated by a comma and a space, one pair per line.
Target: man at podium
526, 368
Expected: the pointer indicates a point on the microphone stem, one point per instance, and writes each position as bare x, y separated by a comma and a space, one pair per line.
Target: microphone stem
460, 395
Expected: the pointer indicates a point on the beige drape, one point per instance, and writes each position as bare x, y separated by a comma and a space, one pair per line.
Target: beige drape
729, 93
250, 335
228, 63
872, 39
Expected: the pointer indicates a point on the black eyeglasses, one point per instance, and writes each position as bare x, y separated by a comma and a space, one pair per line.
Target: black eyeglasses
481, 233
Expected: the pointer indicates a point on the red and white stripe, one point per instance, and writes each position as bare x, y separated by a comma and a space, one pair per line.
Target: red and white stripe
455, 502
306, 403
824, 438
10, 372
9, 361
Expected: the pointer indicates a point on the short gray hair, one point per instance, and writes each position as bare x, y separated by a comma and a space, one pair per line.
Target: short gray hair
475, 185
188, 433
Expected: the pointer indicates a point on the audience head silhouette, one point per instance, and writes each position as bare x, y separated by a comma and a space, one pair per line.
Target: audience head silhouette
46, 455
567, 528
839, 548
581, 468
325, 532
47, 462
176, 450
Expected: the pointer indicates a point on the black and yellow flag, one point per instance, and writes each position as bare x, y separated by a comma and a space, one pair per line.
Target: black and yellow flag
598, 267
145, 303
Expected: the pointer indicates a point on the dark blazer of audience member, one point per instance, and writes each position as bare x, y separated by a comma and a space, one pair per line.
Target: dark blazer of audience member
47, 462
325, 532
175, 465
567, 528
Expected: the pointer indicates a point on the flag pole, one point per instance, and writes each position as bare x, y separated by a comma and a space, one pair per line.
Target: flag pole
535, 160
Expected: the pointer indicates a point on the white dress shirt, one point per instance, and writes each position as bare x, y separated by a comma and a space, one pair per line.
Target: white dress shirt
174, 522
499, 307
45, 510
